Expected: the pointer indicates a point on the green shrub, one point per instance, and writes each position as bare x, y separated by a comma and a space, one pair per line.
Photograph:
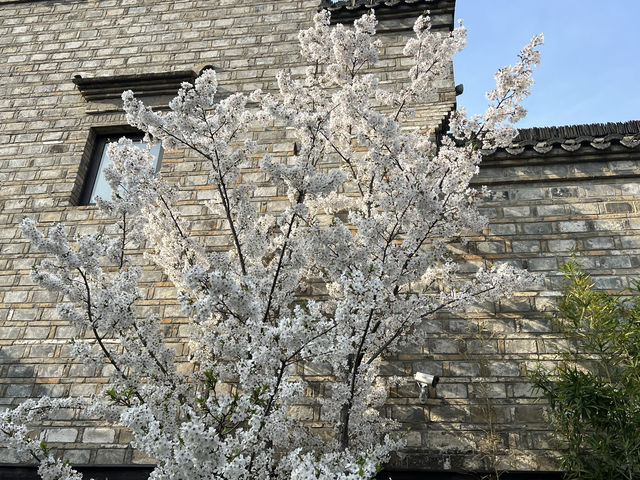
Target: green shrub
593, 393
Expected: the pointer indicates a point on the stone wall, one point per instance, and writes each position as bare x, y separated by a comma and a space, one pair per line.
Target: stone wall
579, 194
544, 205
52, 54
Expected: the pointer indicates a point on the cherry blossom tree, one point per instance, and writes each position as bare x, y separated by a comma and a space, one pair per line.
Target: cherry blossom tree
340, 278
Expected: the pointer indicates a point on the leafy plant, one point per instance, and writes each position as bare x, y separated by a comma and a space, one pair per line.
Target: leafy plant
594, 393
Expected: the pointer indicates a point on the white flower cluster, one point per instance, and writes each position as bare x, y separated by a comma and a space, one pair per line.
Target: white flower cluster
513, 84
14, 433
262, 346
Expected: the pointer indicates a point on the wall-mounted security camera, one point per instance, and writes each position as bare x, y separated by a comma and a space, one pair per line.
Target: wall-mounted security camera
425, 381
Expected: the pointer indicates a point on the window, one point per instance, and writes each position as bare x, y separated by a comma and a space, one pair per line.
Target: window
95, 184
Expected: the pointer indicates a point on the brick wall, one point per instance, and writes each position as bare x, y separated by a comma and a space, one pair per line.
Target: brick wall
544, 205
47, 130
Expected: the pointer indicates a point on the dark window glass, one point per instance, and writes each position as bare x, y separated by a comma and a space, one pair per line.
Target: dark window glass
95, 184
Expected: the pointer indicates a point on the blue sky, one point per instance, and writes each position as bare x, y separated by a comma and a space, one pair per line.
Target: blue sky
590, 69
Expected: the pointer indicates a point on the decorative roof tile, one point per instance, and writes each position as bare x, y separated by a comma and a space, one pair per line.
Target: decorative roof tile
355, 4
348, 10
591, 130
572, 138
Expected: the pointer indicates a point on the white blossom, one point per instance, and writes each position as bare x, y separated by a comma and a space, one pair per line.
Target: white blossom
314, 295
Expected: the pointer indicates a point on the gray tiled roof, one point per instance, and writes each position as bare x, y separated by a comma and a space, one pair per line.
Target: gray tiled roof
364, 4
573, 137
348, 10
591, 130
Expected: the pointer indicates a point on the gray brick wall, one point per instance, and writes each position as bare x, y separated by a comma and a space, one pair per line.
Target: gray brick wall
543, 207
46, 136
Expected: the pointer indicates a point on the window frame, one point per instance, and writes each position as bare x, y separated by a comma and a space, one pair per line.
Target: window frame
100, 142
